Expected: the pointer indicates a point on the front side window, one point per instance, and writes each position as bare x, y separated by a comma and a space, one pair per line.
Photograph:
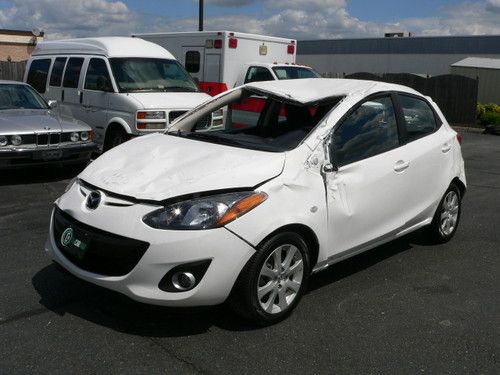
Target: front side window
294, 72
97, 77
14, 96
418, 115
193, 61
258, 74
72, 74
37, 75
370, 130
57, 71
151, 75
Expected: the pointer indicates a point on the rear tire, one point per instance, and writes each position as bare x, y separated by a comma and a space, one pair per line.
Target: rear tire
273, 280
115, 136
447, 216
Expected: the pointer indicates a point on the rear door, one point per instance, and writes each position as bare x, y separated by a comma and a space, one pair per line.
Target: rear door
193, 58
429, 149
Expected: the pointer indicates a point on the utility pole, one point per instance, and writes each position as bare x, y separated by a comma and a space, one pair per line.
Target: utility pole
200, 16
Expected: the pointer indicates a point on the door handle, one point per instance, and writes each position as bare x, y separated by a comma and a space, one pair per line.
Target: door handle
446, 147
401, 165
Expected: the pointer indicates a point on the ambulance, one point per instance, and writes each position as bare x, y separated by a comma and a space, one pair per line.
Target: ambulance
221, 60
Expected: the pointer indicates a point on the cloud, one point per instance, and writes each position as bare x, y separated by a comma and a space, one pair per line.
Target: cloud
300, 19
229, 3
69, 18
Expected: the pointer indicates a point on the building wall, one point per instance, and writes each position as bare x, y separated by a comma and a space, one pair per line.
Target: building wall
419, 55
489, 82
16, 52
426, 64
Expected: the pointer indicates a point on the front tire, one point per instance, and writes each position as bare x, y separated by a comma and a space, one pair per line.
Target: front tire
274, 279
115, 136
447, 216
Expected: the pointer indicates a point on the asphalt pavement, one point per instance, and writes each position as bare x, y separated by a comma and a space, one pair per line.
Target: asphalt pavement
403, 308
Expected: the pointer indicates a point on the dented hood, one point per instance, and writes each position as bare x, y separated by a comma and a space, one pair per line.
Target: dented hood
157, 167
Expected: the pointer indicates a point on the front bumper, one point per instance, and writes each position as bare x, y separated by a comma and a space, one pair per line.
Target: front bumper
60, 154
167, 249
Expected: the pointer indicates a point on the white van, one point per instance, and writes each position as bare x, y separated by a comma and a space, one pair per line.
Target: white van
122, 87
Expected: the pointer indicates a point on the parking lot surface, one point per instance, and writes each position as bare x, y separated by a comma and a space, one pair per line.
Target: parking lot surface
405, 307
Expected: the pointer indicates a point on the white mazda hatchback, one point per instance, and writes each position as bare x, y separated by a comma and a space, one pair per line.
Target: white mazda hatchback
305, 173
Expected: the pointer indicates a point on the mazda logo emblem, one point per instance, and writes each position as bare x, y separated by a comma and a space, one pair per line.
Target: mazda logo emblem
93, 200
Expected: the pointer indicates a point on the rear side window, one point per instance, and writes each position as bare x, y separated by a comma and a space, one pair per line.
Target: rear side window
419, 117
257, 74
370, 130
97, 77
37, 75
57, 71
72, 73
193, 61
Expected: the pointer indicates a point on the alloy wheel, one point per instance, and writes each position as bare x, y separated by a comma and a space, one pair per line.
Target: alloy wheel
449, 213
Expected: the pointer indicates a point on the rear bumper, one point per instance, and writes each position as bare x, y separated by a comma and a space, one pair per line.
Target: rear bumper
25, 157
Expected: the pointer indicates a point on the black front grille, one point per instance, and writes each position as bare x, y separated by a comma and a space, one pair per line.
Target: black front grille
172, 115
42, 139
95, 250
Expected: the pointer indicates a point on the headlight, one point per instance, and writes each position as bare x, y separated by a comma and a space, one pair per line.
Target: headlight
16, 140
204, 213
84, 136
75, 137
3, 141
151, 115
70, 184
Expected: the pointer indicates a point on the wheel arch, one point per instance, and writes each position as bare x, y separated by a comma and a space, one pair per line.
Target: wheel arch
461, 186
306, 233
117, 121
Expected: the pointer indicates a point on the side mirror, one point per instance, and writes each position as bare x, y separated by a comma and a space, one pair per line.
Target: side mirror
52, 104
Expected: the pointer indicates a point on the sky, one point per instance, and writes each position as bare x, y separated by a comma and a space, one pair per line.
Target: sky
298, 19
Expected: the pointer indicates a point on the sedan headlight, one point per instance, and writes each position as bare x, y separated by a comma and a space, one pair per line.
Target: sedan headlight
84, 136
204, 213
75, 137
3, 141
16, 140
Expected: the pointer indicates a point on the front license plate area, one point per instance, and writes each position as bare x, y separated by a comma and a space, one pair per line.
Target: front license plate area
51, 154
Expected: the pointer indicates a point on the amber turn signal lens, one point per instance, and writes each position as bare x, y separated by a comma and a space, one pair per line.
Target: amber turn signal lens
242, 207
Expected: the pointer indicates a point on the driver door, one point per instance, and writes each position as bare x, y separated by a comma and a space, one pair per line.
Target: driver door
96, 96
366, 195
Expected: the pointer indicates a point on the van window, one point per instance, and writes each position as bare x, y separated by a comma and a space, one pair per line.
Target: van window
57, 71
72, 73
192, 61
37, 75
257, 74
97, 77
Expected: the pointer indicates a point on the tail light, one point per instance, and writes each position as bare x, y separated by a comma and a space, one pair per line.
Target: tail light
459, 138
218, 43
233, 43
290, 49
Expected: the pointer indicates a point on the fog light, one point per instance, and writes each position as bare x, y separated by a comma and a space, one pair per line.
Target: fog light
3, 140
183, 280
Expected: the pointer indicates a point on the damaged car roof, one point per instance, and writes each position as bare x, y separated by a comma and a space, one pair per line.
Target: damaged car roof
311, 90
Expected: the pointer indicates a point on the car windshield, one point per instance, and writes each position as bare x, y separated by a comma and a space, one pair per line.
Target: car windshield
253, 120
154, 75
294, 72
13, 96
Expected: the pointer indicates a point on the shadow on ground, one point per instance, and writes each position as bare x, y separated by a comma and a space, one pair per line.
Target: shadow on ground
65, 294
36, 175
